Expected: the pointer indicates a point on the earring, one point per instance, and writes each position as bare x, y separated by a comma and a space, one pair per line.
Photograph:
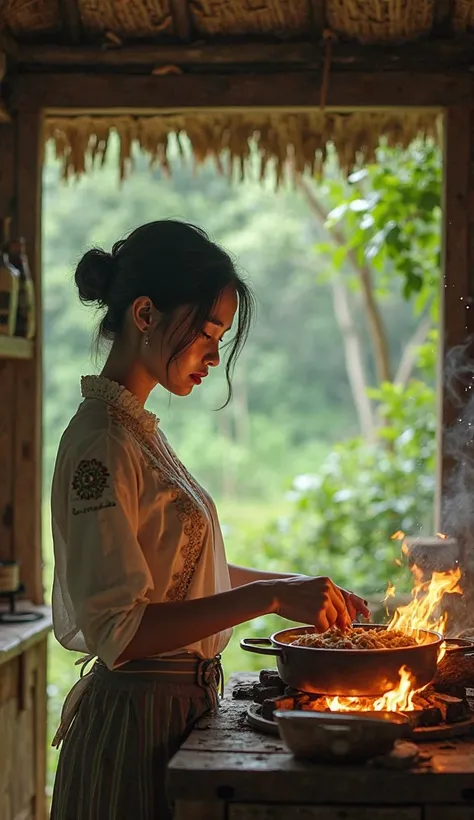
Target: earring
147, 340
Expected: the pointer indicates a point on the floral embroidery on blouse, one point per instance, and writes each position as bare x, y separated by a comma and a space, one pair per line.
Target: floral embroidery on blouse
125, 409
90, 479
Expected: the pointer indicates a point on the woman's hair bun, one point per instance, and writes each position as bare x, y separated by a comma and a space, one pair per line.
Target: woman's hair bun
94, 275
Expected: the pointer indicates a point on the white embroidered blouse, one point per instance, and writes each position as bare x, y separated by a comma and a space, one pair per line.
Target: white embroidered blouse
130, 527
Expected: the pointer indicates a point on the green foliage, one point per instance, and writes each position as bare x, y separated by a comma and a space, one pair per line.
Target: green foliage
387, 217
344, 515
390, 212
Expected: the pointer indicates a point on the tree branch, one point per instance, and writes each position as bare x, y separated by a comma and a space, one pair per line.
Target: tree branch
376, 326
354, 359
408, 358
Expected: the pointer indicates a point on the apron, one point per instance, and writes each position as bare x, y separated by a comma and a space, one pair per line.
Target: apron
119, 729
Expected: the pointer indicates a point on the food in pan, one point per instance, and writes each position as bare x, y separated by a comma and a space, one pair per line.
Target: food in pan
355, 638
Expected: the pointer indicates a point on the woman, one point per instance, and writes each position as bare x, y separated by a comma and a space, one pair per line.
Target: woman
141, 579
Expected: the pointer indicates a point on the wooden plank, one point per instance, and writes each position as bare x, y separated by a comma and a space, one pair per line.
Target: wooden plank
317, 12
182, 20
457, 314
279, 778
14, 347
16, 639
135, 93
442, 13
17, 754
40, 726
449, 813
275, 812
7, 370
7, 387
228, 731
197, 810
28, 411
8, 44
71, 20
432, 57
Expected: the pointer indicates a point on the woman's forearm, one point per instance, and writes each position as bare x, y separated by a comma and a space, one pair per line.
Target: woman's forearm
169, 626
239, 576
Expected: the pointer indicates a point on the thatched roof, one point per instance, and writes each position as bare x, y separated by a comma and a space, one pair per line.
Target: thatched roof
232, 36
364, 20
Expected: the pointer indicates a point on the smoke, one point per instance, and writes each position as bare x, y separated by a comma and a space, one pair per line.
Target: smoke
457, 513
457, 510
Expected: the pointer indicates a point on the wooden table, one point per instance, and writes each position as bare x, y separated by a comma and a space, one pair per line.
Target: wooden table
227, 771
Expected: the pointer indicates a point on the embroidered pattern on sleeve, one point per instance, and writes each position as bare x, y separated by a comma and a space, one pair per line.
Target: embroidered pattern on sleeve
89, 483
90, 479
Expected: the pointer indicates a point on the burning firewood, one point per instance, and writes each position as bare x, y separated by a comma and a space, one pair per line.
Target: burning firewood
245, 692
426, 716
272, 704
452, 709
261, 693
269, 677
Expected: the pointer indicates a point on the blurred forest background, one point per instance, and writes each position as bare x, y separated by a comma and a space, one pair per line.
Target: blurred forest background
328, 447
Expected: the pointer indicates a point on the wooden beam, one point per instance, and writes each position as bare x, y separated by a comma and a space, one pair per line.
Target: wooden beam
449, 55
182, 20
8, 44
71, 20
298, 91
7, 368
28, 405
442, 12
317, 12
457, 304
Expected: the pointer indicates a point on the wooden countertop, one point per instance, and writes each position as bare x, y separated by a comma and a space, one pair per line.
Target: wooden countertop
224, 759
15, 638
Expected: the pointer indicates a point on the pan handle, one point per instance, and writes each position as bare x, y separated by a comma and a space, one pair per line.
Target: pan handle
466, 650
255, 645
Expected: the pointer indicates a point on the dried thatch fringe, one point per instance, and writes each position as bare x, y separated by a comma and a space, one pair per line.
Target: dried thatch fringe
379, 20
81, 142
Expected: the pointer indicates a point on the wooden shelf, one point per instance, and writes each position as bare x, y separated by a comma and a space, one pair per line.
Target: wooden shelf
14, 347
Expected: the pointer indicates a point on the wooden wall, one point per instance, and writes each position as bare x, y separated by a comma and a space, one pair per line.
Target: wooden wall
23, 735
20, 380
457, 285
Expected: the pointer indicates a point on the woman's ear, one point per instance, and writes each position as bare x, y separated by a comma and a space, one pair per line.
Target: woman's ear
143, 313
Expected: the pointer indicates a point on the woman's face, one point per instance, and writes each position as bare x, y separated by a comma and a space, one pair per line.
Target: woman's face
192, 365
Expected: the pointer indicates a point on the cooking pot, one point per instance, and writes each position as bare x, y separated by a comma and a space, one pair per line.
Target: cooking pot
351, 672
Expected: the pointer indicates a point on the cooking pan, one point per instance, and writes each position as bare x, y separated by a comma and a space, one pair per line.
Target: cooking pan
350, 672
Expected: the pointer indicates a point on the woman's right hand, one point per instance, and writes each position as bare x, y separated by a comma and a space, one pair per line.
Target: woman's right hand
317, 601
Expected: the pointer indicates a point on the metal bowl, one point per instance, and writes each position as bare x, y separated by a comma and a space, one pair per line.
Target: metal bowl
331, 737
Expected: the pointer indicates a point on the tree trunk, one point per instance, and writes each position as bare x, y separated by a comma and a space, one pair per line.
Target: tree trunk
408, 357
376, 327
354, 358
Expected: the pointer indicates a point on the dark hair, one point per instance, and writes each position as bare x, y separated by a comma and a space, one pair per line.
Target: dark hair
174, 264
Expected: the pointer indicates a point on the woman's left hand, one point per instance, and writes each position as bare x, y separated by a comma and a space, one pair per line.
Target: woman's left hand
355, 604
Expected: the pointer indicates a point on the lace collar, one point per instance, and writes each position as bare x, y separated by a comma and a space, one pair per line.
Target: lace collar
98, 387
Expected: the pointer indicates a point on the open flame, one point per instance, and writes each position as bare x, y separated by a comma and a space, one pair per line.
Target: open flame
397, 700
423, 612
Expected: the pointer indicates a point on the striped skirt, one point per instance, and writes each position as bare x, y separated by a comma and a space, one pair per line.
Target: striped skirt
129, 723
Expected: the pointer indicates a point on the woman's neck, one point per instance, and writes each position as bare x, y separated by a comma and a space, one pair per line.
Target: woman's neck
125, 369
